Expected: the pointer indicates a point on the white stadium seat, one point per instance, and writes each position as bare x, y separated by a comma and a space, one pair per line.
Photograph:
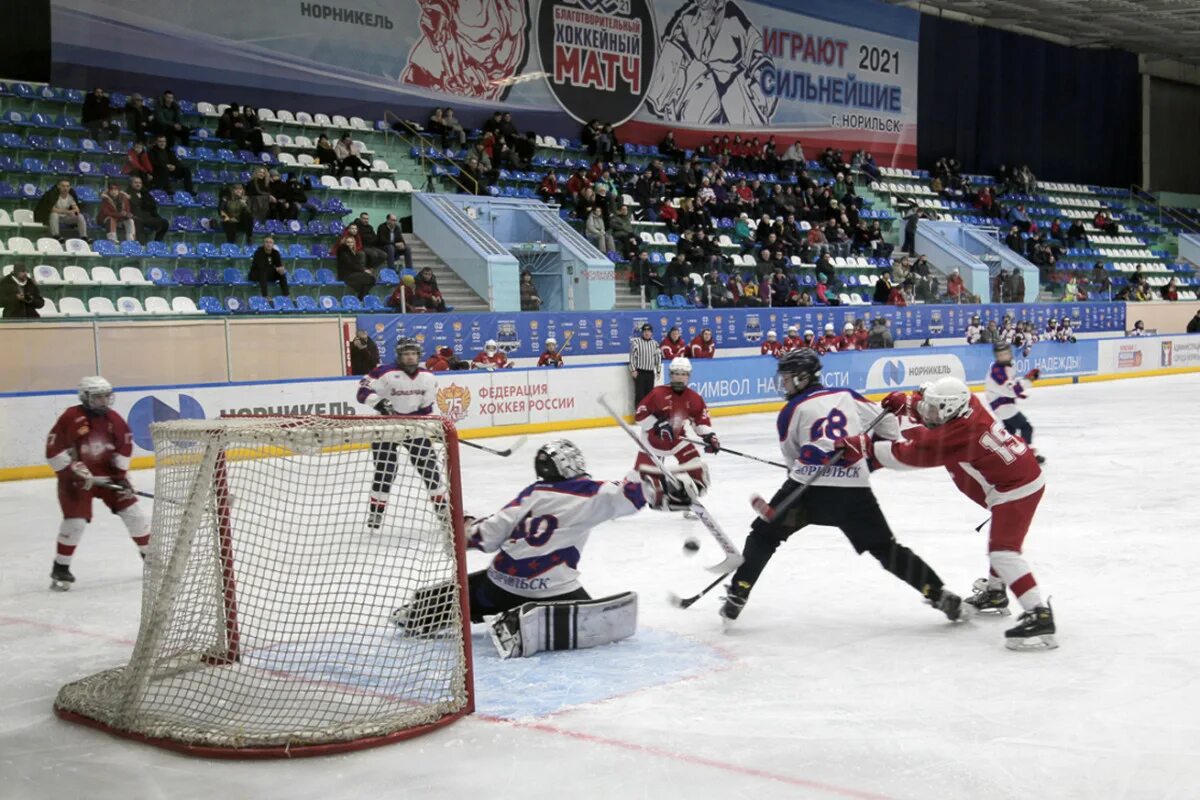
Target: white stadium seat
73, 307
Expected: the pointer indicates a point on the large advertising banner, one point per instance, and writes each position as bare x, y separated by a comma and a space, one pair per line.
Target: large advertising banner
591, 333
837, 72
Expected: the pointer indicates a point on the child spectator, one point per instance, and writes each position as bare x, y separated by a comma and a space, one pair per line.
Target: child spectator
116, 214
550, 356
404, 297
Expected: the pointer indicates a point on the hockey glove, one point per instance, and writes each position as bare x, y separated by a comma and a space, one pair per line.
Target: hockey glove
84, 478
1033, 374
896, 403
855, 448
123, 487
711, 443
664, 430
674, 495
385, 408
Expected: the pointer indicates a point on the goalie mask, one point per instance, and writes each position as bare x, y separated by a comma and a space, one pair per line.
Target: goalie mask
559, 460
96, 394
680, 372
943, 400
798, 370
408, 355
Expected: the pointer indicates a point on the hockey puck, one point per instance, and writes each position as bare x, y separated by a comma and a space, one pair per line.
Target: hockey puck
691, 546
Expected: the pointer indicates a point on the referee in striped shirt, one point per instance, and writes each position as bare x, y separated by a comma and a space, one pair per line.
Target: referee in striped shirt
645, 363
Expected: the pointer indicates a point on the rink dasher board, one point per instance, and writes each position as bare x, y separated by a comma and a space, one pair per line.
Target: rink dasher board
537, 401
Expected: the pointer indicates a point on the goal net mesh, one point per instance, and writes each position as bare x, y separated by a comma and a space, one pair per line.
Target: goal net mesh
267, 596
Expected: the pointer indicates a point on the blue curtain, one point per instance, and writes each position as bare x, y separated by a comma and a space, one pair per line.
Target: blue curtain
990, 97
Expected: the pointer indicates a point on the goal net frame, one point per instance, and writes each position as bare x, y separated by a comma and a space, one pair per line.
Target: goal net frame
230, 652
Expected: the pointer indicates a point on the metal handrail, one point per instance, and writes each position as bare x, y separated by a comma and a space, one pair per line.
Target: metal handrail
417, 141
1142, 194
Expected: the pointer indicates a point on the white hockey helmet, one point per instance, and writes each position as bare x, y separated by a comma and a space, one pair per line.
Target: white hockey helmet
550, 340
809, 332
95, 393
792, 330
559, 460
772, 335
848, 327
490, 346
680, 366
943, 400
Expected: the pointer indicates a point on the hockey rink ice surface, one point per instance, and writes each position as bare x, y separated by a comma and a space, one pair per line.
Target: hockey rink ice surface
837, 682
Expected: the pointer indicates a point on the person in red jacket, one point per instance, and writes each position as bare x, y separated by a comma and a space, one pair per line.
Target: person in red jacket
772, 346
491, 357
861, 334
662, 415
829, 342
673, 345
441, 360
989, 465
550, 356
137, 162
848, 340
407, 293
89, 449
703, 345
428, 294
793, 341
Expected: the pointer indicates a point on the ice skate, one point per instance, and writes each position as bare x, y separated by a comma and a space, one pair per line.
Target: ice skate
61, 578
1034, 631
735, 600
949, 604
993, 602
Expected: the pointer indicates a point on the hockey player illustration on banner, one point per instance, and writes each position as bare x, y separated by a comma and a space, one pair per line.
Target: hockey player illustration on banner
813, 420
404, 389
471, 48
533, 582
990, 466
89, 448
711, 60
1003, 388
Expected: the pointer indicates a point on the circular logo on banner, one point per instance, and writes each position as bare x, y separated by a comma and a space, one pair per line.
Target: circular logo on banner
150, 409
598, 56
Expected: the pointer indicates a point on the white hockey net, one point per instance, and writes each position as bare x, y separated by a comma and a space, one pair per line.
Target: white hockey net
266, 606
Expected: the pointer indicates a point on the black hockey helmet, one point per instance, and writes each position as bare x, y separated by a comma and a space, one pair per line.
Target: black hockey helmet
408, 345
798, 370
559, 460
1001, 349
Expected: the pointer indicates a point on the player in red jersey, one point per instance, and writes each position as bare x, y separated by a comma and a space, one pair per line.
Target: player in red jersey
662, 415
673, 346
90, 446
991, 466
792, 341
550, 357
829, 342
490, 358
703, 345
772, 345
848, 340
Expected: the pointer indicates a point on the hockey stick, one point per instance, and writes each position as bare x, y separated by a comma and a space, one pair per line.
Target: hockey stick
740, 454
733, 559
686, 602
505, 453
768, 513
979, 527
116, 487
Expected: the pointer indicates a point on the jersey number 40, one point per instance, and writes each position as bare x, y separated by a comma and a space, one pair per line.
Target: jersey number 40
536, 531
1002, 443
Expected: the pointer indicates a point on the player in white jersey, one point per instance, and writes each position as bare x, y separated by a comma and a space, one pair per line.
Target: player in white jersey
403, 389
813, 418
538, 538
1003, 388
974, 330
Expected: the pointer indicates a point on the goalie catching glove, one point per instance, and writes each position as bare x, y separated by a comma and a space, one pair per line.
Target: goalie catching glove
385, 408
676, 494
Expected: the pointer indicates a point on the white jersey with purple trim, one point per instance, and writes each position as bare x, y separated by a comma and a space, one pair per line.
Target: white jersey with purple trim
410, 395
1002, 389
541, 534
812, 420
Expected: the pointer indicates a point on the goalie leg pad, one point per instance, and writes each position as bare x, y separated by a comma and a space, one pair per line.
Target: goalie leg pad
565, 625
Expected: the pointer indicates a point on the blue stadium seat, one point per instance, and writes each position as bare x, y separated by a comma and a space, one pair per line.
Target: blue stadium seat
329, 303
87, 194
106, 248
157, 250
233, 277
229, 250
132, 250
159, 276
662, 301
320, 251
325, 277
351, 303
210, 305
388, 277
302, 277
298, 251
307, 304
284, 304
64, 144
39, 143
261, 305
210, 277
34, 165
185, 276
207, 250
110, 170
235, 305
373, 303
679, 301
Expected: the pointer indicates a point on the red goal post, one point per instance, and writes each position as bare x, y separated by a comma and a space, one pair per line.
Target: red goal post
265, 628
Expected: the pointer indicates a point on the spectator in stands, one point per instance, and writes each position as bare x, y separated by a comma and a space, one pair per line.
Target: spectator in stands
254, 132
471, 176
1071, 289
116, 214
20, 297
137, 162
96, 116
138, 118
235, 215
454, 126
352, 267
1076, 235
1103, 222
1015, 241
956, 289
548, 189
1000, 287
59, 208
670, 149
166, 168
643, 273
168, 121
597, 232
390, 239
910, 231
364, 354
428, 292
437, 126
232, 125
530, 299
324, 154
1193, 325
1100, 283
267, 267
145, 213
258, 195
1019, 219
621, 228
404, 296
1170, 291
883, 288
348, 158
880, 338
550, 357
1139, 329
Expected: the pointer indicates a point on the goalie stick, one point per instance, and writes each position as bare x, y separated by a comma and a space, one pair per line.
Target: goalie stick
733, 559
505, 453
768, 513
